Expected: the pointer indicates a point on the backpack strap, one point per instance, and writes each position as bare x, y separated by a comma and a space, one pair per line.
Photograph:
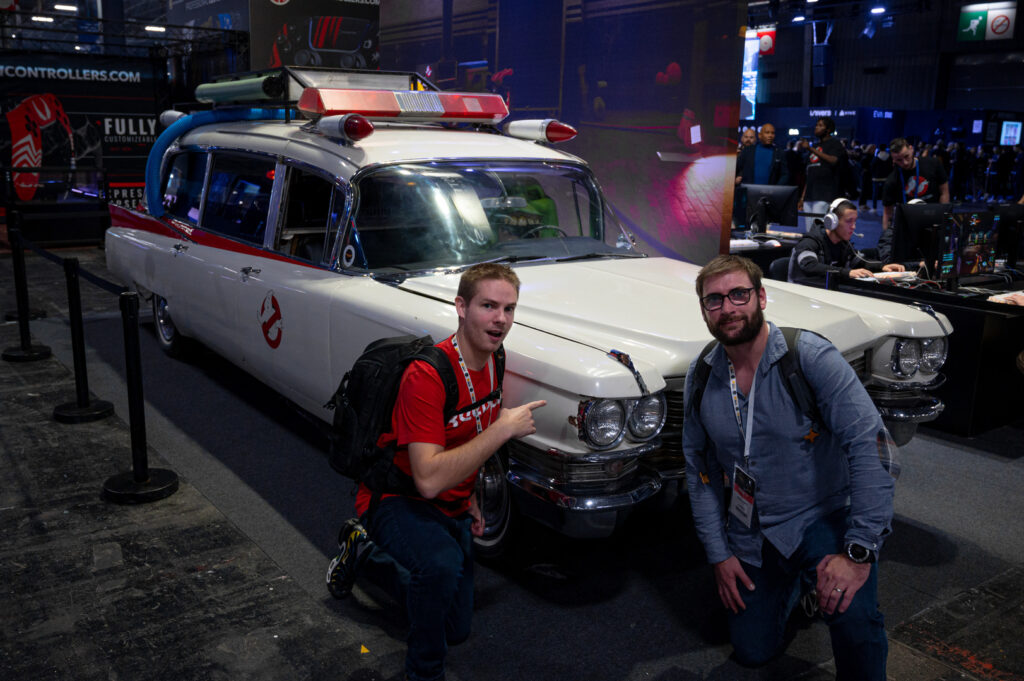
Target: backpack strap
436, 357
702, 372
795, 381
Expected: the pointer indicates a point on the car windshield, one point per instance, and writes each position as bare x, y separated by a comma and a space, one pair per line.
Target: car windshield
422, 216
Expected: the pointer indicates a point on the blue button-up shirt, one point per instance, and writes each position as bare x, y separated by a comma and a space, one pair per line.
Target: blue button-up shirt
800, 477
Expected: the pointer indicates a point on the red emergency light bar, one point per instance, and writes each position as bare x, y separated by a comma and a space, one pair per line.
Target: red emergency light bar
462, 107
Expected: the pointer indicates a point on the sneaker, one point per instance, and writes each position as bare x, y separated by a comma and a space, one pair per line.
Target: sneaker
341, 573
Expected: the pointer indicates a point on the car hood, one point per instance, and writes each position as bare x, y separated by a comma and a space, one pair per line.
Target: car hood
647, 308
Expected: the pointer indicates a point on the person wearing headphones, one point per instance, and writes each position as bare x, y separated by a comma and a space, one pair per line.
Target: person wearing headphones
826, 250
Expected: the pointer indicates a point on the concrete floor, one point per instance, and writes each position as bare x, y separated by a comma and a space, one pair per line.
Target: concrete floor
223, 580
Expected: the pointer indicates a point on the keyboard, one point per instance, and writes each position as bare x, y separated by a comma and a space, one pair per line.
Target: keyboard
1010, 297
894, 275
750, 244
778, 234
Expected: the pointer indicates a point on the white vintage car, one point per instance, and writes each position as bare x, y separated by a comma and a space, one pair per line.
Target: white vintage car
288, 245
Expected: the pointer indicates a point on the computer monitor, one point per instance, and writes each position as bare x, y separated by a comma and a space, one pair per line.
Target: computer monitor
771, 204
916, 229
1009, 229
978, 238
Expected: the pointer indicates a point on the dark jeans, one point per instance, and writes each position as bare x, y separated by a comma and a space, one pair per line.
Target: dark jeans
424, 559
859, 644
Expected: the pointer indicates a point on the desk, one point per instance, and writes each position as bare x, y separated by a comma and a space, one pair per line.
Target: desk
983, 389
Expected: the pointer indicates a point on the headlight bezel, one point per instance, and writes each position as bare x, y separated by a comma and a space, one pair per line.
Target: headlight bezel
589, 412
927, 349
900, 350
638, 406
625, 425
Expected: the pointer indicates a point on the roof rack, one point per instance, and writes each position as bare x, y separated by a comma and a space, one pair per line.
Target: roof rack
283, 86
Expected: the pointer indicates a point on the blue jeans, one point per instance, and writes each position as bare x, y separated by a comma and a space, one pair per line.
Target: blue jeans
424, 559
859, 644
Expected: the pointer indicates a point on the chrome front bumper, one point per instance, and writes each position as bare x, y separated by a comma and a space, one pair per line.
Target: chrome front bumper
585, 496
904, 407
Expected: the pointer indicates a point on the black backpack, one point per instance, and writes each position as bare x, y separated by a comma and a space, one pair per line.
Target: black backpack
794, 380
366, 397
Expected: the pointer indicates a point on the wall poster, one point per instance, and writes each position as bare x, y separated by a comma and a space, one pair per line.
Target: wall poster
77, 111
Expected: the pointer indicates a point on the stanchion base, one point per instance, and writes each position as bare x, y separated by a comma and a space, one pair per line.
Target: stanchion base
32, 354
72, 413
122, 488
12, 315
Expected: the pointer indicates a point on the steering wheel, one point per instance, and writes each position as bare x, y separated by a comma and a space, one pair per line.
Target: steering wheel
535, 230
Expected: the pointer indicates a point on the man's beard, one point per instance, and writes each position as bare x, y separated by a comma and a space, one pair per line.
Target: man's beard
751, 327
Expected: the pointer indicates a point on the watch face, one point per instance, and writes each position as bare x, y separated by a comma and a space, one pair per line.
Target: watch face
857, 553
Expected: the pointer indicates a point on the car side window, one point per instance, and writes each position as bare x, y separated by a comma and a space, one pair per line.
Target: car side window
183, 186
238, 198
310, 209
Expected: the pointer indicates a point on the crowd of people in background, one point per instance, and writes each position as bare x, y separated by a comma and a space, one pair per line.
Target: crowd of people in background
976, 173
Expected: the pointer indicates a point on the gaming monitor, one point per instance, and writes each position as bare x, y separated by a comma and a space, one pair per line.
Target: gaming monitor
923, 233
1009, 227
977, 230
771, 204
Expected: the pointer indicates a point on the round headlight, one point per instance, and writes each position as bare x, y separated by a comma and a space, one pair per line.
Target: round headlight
906, 357
604, 423
647, 418
933, 354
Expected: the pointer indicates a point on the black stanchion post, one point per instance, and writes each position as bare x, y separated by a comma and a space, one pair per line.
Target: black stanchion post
82, 409
14, 222
143, 483
26, 352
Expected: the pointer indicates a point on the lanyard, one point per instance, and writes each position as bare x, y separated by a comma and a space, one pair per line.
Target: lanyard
903, 183
469, 384
739, 416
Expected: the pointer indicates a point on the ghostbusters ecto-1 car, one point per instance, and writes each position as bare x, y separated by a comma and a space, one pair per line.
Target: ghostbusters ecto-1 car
287, 241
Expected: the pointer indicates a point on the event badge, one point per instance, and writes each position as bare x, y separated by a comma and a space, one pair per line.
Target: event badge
742, 503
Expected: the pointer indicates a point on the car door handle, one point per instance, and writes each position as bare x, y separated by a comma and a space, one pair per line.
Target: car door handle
249, 271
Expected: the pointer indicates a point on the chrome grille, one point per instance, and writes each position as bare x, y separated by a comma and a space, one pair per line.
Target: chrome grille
672, 433
571, 471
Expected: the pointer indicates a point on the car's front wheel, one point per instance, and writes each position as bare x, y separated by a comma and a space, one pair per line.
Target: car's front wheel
167, 334
495, 501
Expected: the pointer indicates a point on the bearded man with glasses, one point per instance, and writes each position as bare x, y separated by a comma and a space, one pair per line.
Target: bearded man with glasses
810, 501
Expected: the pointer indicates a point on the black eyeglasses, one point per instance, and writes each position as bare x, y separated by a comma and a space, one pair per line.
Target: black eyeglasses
737, 296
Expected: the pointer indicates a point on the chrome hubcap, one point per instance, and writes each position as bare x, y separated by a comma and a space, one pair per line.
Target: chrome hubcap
163, 320
492, 495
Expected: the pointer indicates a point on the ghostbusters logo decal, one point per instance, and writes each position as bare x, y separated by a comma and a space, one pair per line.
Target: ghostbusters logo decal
917, 187
271, 323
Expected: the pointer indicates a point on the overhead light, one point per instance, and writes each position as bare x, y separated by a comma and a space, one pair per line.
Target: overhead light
156, 29
796, 131
878, 10
811, 2
66, 8
43, 20
798, 18
78, 47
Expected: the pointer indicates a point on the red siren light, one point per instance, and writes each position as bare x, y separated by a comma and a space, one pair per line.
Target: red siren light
352, 127
547, 130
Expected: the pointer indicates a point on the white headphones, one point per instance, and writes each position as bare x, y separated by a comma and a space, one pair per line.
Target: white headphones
831, 220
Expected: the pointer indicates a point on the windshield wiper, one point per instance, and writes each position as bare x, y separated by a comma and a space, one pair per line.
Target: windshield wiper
514, 259
588, 256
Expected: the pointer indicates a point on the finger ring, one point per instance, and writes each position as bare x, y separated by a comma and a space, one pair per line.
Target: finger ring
838, 590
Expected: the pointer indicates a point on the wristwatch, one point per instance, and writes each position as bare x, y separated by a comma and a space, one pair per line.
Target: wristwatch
859, 554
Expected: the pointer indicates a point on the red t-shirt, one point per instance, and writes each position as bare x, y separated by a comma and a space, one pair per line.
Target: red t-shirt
418, 416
